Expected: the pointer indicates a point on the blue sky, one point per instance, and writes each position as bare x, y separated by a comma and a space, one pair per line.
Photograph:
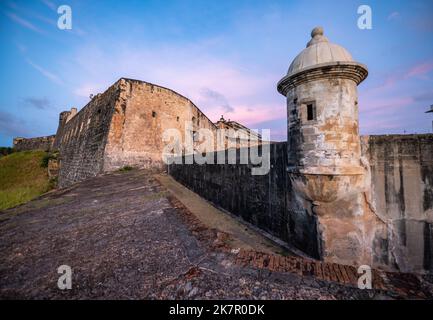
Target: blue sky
226, 56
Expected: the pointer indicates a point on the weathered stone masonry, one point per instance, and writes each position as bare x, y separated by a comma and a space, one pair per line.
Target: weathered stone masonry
81, 140
39, 143
265, 201
122, 127
402, 191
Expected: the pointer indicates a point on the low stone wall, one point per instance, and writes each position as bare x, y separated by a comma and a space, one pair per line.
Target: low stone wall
266, 201
39, 143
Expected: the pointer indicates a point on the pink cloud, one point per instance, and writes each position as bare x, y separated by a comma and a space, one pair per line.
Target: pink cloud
217, 86
420, 69
251, 115
374, 125
372, 105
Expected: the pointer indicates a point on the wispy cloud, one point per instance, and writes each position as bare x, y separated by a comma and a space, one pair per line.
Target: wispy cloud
45, 73
215, 98
394, 15
389, 106
253, 114
39, 103
22, 48
381, 106
50, 4
23, 22
420, 69
87, 89
216, 85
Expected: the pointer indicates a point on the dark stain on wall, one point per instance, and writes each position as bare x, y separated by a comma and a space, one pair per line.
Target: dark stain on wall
428, 247
427, 176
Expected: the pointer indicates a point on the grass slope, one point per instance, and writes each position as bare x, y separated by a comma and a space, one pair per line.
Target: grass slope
22, 178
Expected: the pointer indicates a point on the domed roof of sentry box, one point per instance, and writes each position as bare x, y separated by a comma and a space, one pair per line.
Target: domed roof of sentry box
322, 58
319, 50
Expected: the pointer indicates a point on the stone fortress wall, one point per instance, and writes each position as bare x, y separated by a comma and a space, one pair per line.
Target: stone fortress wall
39, 143
124, 127
143, 113
402, 194
81, 138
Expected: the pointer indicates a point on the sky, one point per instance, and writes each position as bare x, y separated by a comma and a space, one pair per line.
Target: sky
226, 56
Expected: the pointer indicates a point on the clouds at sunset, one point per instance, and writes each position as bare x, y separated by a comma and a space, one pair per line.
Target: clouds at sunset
226, 56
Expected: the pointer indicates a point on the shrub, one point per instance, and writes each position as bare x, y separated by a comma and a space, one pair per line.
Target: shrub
4, 151
47, 157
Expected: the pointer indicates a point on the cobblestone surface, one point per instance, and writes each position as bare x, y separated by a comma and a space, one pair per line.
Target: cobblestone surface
126, 237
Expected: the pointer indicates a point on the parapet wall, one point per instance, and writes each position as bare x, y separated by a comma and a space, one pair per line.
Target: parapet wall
402, 195
266, 201
39, 143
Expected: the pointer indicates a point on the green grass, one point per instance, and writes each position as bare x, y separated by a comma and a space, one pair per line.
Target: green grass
22, 178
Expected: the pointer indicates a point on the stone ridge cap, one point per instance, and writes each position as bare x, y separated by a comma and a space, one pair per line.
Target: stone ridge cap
399, 136
40, 137
328, 64
171, 90
243, 127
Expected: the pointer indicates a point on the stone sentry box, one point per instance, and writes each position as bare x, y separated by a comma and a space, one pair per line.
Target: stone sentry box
324, 150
